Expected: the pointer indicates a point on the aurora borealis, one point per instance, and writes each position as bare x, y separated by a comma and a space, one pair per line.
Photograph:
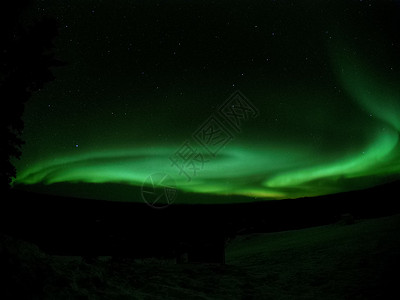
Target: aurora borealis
142, 77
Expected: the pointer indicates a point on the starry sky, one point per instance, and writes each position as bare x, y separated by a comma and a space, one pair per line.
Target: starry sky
260, 100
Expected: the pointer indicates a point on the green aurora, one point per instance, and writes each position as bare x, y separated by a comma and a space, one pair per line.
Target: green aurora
267, 171
307, 140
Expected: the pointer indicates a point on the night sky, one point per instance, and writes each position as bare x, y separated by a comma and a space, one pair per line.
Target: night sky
261, 99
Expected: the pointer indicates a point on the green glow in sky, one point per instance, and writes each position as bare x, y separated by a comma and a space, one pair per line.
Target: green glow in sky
271, 171
327, 94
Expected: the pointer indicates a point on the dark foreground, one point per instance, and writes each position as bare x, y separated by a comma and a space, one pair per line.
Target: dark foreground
343, 246
337, 261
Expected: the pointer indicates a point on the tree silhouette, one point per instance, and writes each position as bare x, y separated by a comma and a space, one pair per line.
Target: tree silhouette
25, 60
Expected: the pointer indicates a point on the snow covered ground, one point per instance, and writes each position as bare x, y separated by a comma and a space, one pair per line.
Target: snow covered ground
358, 261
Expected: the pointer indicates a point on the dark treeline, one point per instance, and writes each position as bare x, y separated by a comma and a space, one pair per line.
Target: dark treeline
74, 226
26, 58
